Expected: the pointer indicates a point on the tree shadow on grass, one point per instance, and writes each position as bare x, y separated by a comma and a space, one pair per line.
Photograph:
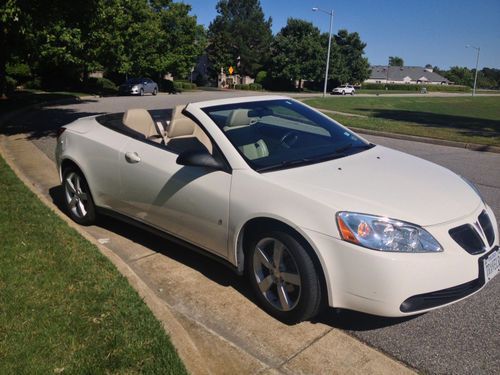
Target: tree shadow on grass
465, 125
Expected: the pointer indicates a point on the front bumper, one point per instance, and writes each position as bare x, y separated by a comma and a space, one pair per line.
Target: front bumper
400, 284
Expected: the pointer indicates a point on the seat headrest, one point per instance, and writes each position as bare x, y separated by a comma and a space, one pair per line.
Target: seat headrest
140, 120
238, 117
180, 125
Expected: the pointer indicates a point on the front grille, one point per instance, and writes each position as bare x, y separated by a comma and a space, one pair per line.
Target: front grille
487, 226
467, 237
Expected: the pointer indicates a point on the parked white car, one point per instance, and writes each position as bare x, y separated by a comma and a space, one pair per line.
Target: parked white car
309, 210
343, 90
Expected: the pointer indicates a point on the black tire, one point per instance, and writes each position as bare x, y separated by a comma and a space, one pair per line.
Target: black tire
155, 91
88, 216
141, 93
305, 299
352, 93
343, 92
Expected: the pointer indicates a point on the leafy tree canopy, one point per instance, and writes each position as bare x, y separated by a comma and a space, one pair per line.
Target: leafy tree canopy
396, 61
239, 36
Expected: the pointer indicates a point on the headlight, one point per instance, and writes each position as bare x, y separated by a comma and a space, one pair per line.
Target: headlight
381, 233
474, 187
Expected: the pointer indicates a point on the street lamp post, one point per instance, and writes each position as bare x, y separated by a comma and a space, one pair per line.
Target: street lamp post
329, 46
477, 63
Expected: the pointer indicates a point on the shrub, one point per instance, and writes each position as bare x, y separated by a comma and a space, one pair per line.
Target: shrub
413, 87
178, 86
261, 77
101, 86
242, 87
255, 86
10, 85
19, 71
35, 84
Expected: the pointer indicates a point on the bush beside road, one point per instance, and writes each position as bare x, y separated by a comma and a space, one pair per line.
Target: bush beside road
64, 307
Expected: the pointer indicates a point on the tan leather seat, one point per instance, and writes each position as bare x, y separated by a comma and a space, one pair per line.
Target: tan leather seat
239, 118
140, 121
236, 121
182, 127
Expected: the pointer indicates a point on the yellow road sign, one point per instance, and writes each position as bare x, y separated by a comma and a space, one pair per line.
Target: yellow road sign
231, 70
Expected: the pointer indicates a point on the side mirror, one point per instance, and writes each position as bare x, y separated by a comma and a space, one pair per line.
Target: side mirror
199, 158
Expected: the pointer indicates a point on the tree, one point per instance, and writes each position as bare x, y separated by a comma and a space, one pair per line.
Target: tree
183, 39
348, 62
239, 36
396, 61
297, 52
460, 76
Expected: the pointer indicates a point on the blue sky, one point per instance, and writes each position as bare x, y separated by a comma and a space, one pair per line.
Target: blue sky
421, 32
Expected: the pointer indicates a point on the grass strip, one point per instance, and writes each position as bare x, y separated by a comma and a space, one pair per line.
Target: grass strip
64, 308
461, 119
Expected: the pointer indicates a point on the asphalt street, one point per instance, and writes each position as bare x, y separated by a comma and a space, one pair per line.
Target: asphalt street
460, 339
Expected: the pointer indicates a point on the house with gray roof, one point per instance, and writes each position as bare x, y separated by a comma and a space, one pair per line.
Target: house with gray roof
405, 75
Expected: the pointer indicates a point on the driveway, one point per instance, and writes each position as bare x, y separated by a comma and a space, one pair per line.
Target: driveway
458, 339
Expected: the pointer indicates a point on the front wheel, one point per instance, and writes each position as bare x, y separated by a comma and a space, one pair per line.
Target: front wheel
283, 277
155, 91
343, 92
141, 93
77, 198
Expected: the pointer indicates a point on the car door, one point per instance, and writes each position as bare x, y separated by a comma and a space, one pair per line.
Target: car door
189, 202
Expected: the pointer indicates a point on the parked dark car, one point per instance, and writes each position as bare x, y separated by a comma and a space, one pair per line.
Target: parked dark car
138, 86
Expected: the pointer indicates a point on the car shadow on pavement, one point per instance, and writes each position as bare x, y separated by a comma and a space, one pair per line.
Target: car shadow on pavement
43, 122
221, 274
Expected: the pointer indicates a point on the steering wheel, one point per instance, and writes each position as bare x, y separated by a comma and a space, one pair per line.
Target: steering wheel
289, 139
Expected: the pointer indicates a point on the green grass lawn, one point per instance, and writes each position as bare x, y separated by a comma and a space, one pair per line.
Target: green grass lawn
64, 308
464, 119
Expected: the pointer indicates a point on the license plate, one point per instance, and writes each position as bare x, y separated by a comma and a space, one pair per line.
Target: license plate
491, 265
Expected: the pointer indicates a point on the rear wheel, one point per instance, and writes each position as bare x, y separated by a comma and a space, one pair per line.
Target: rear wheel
77, 197
283, 276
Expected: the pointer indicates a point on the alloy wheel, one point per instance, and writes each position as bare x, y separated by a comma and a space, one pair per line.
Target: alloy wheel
277, 274
76, 197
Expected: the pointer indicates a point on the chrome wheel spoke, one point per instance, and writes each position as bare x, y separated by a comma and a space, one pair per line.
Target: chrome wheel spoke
70, 186
283, 296
73, 201
263, 259
291, 278
277, 253
77, 184
266, 283
81, 208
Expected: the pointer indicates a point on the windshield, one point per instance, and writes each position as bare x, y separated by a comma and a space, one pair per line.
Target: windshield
277, 134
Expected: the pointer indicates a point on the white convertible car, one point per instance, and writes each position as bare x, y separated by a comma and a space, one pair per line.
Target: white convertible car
311, 212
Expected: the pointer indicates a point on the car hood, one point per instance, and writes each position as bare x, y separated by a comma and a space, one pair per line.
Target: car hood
384, 182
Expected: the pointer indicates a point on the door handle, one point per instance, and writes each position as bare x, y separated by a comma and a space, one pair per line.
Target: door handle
132, 157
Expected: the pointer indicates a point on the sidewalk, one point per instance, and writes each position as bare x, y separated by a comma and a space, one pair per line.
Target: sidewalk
207, 310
